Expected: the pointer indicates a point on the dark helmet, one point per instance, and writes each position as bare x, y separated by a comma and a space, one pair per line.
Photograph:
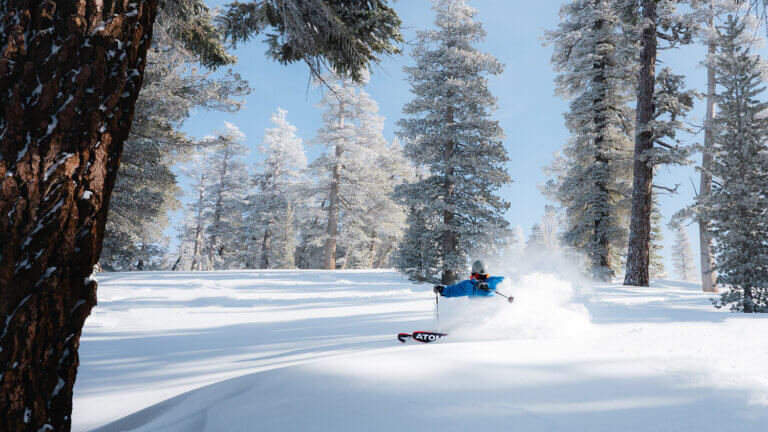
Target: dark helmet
479, 267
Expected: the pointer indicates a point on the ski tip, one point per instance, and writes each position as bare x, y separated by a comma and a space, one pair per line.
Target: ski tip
403, 337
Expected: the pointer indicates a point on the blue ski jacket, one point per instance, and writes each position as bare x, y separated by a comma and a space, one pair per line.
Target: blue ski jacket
469, 288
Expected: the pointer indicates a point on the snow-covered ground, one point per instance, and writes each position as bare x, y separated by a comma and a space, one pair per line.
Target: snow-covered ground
315, 350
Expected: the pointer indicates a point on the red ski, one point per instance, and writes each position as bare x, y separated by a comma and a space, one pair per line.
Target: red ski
420, 336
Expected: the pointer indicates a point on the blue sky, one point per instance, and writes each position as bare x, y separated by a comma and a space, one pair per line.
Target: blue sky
528, 110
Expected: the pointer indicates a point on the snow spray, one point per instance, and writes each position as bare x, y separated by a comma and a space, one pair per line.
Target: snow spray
547, 289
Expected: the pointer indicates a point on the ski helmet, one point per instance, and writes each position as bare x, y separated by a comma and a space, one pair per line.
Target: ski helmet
480, 268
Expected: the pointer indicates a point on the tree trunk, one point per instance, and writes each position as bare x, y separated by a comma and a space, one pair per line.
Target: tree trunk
70, 73
449, 235
372, 249
266, 244
217, 209
384, 256
346, 258
601, 260
333, 207
708, 276
640, 223
196, 251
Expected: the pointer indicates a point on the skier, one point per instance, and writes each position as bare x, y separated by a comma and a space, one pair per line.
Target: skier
478, 285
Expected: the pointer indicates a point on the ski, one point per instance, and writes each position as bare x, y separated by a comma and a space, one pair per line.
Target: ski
420, 336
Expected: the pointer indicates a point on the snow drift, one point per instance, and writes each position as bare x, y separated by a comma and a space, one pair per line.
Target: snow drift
292, 350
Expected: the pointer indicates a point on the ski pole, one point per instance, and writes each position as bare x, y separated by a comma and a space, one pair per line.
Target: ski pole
437, 308
509, 298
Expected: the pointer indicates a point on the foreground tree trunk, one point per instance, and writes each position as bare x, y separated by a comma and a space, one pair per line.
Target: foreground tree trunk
70, 73
708, 276
640, 222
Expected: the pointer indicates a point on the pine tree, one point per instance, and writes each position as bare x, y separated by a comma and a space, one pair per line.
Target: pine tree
682, 255
550, 228
146, 190
544, 234
373, 221
516, 241
706, 12
661, 105
416, 257
310, 218
657, 269
225, 194
192, 252
536, 239
736, 206
356, 177
592, 174
450, 131
347, 36
278, 180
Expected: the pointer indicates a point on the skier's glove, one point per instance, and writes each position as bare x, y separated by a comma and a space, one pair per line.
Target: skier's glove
483, 286
438, 289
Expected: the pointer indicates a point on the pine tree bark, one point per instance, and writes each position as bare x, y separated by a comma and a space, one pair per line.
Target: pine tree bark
708, 276
637, 273
70, 73
601, 261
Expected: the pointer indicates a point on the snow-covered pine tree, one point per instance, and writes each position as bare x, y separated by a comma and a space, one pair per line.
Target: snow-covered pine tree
737, 204
682, 255
516, 241
390, 230
592, 174
416, 257
310, 218
661, 104
193, 247
657, 269
373, 221
338, 135
225, 196
550, 228
343, 36
449, 130
356, 177
536, 239
706, 12
278, 180
146, 190
672, 103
